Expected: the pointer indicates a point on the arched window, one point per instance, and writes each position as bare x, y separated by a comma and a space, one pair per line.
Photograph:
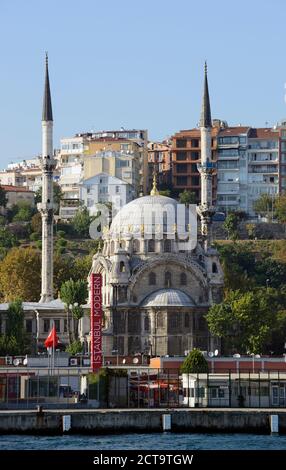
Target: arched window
214, 268
168, 279
151, 246
146, 323
136, 246
152, 279
167, 246
187, 320
122, 244
183, 279
122, 267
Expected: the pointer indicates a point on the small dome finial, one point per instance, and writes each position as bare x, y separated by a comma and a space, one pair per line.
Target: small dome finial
206, 68
154, 191
47, 57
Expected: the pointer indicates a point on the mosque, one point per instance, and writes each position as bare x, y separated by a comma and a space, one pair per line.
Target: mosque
156, 290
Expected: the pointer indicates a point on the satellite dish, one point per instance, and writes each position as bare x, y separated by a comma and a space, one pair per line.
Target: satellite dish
211, 354
123, 361
236, 355
216, 352
257, 356
25, 361
135, 360
16, 362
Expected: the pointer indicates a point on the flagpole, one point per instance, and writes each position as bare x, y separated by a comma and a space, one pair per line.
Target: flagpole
53, 350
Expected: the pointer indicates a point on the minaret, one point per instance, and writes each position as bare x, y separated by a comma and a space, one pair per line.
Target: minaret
206, 167
46, 207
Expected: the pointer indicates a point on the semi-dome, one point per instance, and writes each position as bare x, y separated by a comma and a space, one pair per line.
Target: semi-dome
168, 298
147, 211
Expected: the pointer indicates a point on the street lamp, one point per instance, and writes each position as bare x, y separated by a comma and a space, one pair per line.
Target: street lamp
267, 283
257, 356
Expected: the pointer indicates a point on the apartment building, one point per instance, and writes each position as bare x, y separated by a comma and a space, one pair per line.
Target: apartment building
248, 166
159, 162
186, 155
232, 186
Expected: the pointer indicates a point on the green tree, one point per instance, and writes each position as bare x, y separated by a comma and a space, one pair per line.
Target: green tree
187, 197
280, 208
20, 275
231, 225
81, 222
195, 363
75, 347
36, 223
264, 205
238, 262
245, 321
7, 239
24, 212
165, 192
15, 340
3, 197
74, 295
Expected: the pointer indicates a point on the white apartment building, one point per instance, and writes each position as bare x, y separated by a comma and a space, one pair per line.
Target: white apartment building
248, 166
232, 186
104, 188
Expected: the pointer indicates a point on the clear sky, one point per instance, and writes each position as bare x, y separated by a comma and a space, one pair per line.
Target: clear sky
137, 64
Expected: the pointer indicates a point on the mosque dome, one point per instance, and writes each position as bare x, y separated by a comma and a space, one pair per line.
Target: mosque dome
147, 211
167, 298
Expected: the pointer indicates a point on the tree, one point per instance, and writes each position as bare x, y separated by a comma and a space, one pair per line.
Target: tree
187, 197
75, 347
245, 321
81, 222
7, 239
3, 197
239, 266
15, 340
24, 212
20, 275
195, 363
74, 295
231, 224
63, 271
165, 192
280, 208
36, 223
264, 205
57, 195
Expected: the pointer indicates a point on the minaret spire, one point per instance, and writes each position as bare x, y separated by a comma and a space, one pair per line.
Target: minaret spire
206, 118
154, 191
46, 207
47, 102
206, 167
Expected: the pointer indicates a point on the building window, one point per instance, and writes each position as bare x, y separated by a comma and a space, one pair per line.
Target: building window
46, 325
174, 321
194, 168
136, 246
168, 279
214, 268
122, 267
195, 143
182, 168
57, 325
181, 143
181, 155
146, 324
29, 326
194, 155
167, 246
187, 320
195, 180
151, 246
65, 325
117, 189
183, 279
182, 180
152, 279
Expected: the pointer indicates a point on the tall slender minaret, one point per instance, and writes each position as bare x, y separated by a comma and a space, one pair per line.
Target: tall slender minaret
46, 207
206, 167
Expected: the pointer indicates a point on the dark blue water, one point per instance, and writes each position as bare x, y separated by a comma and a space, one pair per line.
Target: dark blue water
160, 441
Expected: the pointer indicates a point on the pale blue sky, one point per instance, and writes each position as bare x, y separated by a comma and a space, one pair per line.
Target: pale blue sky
138, 65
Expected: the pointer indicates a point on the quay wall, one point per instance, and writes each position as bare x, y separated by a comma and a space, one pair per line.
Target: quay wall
113, 421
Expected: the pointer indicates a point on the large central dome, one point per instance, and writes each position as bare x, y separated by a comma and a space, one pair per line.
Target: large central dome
147, 212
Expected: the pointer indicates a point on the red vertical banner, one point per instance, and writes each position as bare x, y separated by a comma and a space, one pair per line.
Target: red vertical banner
95, 322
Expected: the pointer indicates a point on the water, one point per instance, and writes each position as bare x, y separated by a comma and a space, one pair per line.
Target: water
160, 441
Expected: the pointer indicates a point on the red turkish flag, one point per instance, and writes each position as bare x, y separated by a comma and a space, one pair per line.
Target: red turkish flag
52, 340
